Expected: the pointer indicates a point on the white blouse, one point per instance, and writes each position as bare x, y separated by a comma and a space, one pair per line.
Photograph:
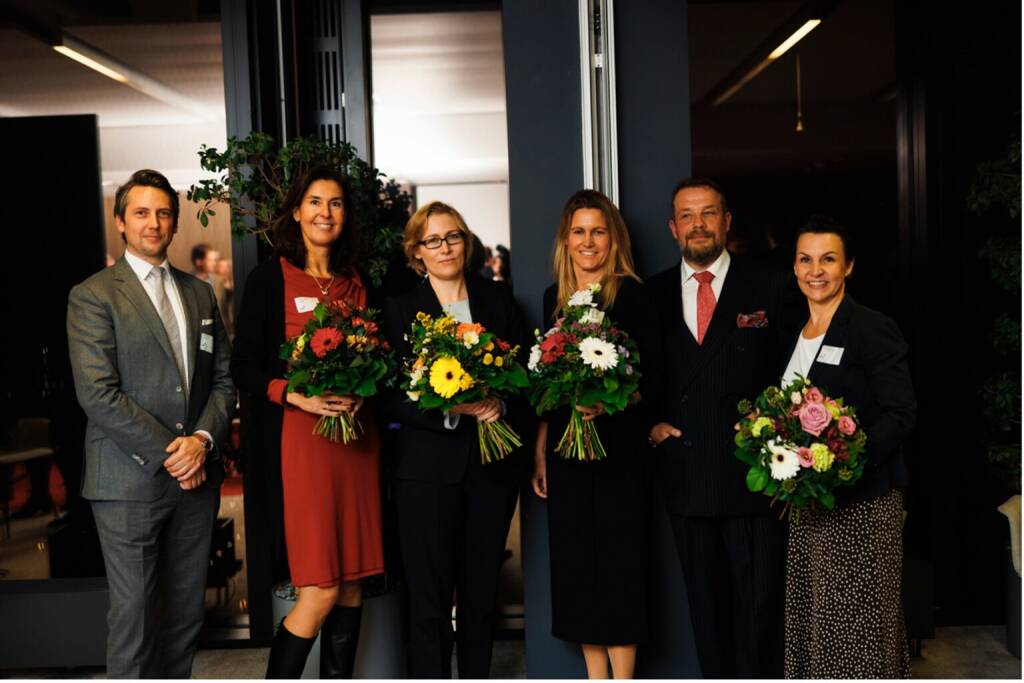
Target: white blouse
803, 357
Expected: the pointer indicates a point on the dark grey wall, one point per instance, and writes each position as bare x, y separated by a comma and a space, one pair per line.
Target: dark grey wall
541, 40
542, 81
653, 109
653, 88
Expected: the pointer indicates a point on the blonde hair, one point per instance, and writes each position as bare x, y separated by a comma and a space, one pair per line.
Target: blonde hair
418, 223
620, 256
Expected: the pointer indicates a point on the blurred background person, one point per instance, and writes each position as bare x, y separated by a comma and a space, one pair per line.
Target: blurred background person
205, 263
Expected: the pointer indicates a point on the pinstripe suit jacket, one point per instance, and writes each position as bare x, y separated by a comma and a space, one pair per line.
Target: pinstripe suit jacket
703, 383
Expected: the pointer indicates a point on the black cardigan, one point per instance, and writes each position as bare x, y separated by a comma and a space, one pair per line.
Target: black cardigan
425, 450
873, 377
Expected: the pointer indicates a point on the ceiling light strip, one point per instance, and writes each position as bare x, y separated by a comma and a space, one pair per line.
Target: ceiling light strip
112, 68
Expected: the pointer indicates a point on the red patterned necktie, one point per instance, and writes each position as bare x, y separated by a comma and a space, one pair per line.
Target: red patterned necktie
705, 303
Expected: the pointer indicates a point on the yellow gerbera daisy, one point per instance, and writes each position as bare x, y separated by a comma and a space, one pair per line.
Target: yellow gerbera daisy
446, 376
488, 359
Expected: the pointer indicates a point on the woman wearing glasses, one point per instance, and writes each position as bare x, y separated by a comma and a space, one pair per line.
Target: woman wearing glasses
453, 511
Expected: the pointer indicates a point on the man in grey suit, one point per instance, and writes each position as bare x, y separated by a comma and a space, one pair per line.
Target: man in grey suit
150, 361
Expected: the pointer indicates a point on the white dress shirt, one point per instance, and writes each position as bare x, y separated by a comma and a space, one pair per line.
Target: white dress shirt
142, 269
719, 268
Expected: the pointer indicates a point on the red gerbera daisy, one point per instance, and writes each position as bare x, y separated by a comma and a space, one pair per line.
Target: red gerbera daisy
325, 340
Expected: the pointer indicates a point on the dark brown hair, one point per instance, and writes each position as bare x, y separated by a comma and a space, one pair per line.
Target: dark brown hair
823, 224
146, 178
287, 234
707, 183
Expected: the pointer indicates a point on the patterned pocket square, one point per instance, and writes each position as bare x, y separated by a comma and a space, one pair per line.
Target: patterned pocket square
756, 319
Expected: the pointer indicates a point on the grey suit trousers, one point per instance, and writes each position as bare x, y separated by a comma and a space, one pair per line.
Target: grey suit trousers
156, 554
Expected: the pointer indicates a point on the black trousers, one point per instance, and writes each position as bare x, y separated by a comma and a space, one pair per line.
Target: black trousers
453, 542
735, 580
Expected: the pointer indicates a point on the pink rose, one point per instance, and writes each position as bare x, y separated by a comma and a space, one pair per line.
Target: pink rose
805, 457
847, 425
814, 417
814, 395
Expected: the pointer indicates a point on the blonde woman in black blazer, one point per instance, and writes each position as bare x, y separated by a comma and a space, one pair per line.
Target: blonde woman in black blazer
453, 511
844, 617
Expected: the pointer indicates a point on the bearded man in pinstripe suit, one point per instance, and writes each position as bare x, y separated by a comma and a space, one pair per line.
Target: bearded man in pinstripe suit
723, 343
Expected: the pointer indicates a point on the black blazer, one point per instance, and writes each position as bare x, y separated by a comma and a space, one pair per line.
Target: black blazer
425, 450
699, 471
873, 377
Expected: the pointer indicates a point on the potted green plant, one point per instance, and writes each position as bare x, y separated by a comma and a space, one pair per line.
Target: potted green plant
995, 196
254, 173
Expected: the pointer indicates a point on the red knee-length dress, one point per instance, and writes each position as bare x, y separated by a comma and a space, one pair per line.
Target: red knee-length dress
332, 509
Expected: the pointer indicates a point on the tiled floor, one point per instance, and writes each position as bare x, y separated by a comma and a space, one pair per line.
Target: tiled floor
957, 652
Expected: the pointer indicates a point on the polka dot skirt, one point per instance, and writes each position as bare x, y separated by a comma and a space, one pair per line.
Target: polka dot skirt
844, 618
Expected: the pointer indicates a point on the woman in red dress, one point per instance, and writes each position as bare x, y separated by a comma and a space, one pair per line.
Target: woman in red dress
331, 491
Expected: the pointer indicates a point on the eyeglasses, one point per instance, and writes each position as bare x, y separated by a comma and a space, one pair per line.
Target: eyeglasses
434, 242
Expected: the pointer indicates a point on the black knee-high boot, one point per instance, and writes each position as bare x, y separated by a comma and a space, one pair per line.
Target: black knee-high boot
339, 638
288, 654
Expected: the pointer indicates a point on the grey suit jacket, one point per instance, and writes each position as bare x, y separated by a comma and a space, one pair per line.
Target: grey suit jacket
129, 385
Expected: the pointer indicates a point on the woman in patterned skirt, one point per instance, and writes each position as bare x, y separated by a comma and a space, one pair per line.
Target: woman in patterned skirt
844, 618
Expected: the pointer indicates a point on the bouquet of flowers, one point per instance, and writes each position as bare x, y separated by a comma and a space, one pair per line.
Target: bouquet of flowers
339, 352
583, 360
801, 445
455, 363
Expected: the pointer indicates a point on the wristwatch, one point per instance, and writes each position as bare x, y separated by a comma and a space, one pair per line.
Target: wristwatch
207, 442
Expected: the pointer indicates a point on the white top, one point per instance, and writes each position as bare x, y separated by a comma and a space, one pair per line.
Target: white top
803, 357
459, 310
142, 269
719, 268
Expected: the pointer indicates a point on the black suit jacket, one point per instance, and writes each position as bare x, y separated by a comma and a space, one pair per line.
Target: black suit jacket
873, 377
699, 471
425, 450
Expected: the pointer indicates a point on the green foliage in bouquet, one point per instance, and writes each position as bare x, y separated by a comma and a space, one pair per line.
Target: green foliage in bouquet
254, 175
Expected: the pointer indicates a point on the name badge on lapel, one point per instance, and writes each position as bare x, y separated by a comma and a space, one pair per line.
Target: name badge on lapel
830, 355
206, 342
305, 304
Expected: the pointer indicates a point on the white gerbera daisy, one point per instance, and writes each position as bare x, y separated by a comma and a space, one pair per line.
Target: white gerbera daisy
583, 297
785, 463
470, 339
592, 316
598, 353
535, 354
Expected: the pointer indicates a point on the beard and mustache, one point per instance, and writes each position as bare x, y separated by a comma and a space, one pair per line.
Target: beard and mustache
705, 254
